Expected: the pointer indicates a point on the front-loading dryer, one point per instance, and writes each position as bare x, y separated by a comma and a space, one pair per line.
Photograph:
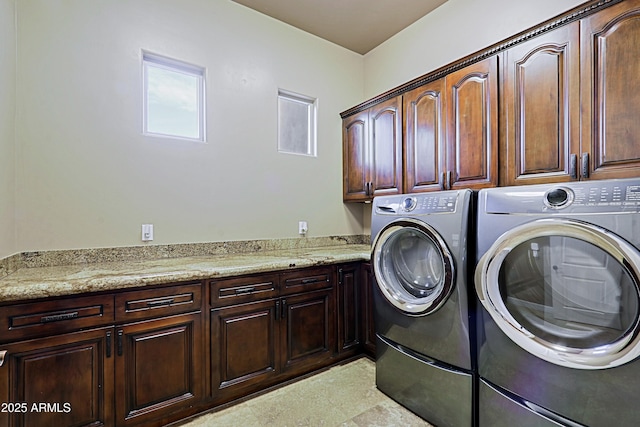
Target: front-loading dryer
558, 278
421, 304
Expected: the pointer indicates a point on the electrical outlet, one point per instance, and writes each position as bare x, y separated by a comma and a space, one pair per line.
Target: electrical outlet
147, 232
302, 228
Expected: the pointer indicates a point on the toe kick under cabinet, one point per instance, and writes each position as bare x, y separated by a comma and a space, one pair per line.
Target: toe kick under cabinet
269, 328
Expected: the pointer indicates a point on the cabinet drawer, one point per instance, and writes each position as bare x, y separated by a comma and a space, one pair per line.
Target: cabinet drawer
158, 302
243, 289
34, 319
307, 279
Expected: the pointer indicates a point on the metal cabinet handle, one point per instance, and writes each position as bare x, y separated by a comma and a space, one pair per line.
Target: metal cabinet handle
442, 181
109, 344
119, 343
283, 309
449, 173
3, 355
58, 317
573, 166
340, 276
585, 165
160, 303
244, 291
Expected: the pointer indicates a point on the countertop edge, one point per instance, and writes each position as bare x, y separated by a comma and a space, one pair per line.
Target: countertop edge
59, 281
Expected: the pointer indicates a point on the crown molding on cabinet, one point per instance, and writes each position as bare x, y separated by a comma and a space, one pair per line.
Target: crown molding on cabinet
575, 14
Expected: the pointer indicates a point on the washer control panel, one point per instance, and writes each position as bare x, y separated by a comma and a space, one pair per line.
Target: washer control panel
417, 204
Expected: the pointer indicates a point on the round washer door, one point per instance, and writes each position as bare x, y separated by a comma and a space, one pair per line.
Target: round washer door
413, 267
566, 291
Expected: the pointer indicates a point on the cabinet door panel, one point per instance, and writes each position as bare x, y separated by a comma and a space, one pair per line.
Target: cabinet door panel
386, 147
541, 98
349, 308
159, 367
611, 91
244, 347
424, 137
309, 330
355, 136
472, 137
68, 378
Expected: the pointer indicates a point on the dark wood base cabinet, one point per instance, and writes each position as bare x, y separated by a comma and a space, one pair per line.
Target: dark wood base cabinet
256, 344
153, 356
66, 380
159, 368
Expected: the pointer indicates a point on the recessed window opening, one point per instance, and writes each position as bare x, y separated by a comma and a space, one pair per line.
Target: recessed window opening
296, 123
173, 98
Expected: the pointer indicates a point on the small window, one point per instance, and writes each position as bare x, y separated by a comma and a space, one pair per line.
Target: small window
296, 123
173, 98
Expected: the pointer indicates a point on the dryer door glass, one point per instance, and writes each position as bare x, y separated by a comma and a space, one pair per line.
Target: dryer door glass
413, 267
565, 291
568, 292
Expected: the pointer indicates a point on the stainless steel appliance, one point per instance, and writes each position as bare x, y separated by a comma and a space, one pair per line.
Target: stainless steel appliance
558, 280
420, 260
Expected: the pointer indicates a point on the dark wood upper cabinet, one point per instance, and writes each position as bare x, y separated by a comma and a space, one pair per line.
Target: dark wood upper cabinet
424, 138
355, 136
540, 124
554, 103
451, 132
472, 126
372, 152
611, 92
386, 148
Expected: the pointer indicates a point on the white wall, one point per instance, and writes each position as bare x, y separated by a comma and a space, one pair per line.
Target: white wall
83, 174
7, 138
86, 177
454, 30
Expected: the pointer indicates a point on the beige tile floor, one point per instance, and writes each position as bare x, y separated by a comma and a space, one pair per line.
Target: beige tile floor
344, 395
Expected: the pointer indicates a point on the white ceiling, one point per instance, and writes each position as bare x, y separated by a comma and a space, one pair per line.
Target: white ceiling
358, 25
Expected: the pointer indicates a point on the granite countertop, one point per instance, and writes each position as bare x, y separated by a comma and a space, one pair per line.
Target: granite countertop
41, 282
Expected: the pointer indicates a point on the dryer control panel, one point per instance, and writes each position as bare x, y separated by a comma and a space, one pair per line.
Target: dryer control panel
610, 196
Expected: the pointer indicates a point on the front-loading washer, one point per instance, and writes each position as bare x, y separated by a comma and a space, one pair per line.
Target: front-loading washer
558, 279
421, 304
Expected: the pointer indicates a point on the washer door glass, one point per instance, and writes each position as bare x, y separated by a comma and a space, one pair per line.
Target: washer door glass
413, 267
565, 291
